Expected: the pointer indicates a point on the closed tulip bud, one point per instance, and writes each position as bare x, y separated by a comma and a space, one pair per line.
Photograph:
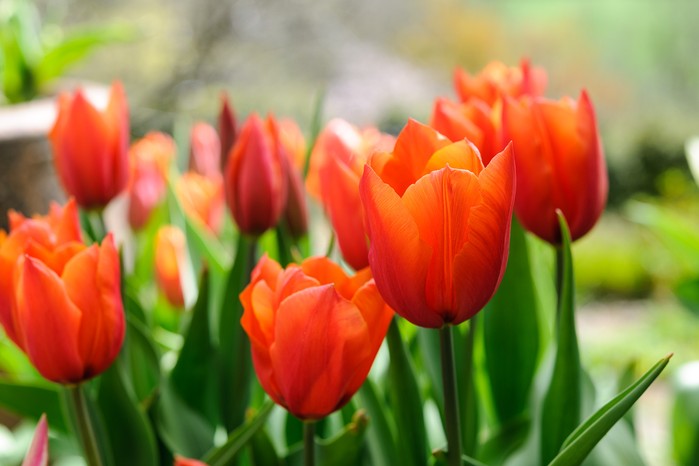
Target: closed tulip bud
560, 164
473, 120
202, 199
227, 129
337, 163
205, 150
170, 262
314, 333
90, 147
38, 454
60, 301
497, 80
296, 211
255, 179
438, 222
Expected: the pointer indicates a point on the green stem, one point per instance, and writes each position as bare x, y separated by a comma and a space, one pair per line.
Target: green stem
451, 407
85, 431
309, 457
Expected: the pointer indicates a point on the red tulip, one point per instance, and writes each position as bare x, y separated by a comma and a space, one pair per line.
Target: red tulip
497, 79
60, 301
314, 332
255, 179
170, 261
182, 461
205, 150
438, 224
90, 147
202, 199
38, 454
227, 129
560, 164
296, 212
473, 120
337, 162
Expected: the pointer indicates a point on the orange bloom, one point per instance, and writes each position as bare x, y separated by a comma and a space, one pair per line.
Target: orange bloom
150, 159
497, 79
60, 301
182, 461
438, 224
314, 332
90, 147
202, 199
472, 120
560, 164
296, 212
337, 162
255, 179
170, 259
204, 150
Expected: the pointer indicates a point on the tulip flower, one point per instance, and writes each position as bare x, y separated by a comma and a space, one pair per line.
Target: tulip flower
150, 159
90, 147
202, 199
182, 461
227, 129
497, 80
296, 212
205, 150
560, 164
314, 332
438, 224
60, 301
170, 260
38, 454
473, 120
255, 179
337, 163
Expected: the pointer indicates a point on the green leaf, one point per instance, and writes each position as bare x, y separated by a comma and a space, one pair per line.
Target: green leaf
130, 435
316, 123
141, 361
263, 451
685, 415
381, 443
406, 401
194, 376
505, 441
511, 333
687, 291
31, 401
562, 402
234, 346
584, 438
239, 438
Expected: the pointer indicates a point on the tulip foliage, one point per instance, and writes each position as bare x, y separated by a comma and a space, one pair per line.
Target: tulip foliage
421, 312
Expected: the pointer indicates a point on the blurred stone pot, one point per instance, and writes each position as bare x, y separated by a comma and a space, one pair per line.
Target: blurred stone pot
28, 181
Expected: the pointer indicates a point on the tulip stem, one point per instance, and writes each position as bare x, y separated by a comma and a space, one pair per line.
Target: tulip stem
83, 423
451, 406
309, 457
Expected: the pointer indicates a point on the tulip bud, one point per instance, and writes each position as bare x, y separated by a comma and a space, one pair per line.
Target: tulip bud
38, 454
255, 179
227, 129
296, 212
560, 164
205, 150
90, 147
497, 80
202, 199
182, 461
170, 262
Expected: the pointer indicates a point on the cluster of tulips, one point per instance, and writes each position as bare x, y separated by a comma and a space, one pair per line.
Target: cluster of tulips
422, 224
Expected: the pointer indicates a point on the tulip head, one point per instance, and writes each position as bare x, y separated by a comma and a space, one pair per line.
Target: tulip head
205, 150
497, 80
90, 147
560, 164
170, 261
438, 222
38, 453
60, 301
227, 129
314, 332
255, 178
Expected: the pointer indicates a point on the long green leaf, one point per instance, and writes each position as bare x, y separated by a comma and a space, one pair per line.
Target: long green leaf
382, 445
583, 439
562, 403
141, 361
32, 400
511, 333
239, 438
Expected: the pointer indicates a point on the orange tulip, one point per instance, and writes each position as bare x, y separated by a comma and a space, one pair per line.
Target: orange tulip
150, 159
255, 179
337, 162
182, 461
202, 199
438, 224
560, 164
473, 120
497, 79
314, 332
205, 150
60, 301
90, 147
170, 259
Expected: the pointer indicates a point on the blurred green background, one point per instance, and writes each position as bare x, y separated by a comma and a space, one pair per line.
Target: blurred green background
380, 62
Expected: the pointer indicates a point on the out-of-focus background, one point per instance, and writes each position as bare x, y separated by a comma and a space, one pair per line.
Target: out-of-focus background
382, 62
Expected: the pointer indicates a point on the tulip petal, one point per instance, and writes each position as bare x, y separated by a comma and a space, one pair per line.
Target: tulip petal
462, 154
50, 322
398, 257
116, 118
441, 205
38, 453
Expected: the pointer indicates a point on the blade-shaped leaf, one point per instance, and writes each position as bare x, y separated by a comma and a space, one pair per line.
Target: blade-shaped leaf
381, 443
32, 401
584, 438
